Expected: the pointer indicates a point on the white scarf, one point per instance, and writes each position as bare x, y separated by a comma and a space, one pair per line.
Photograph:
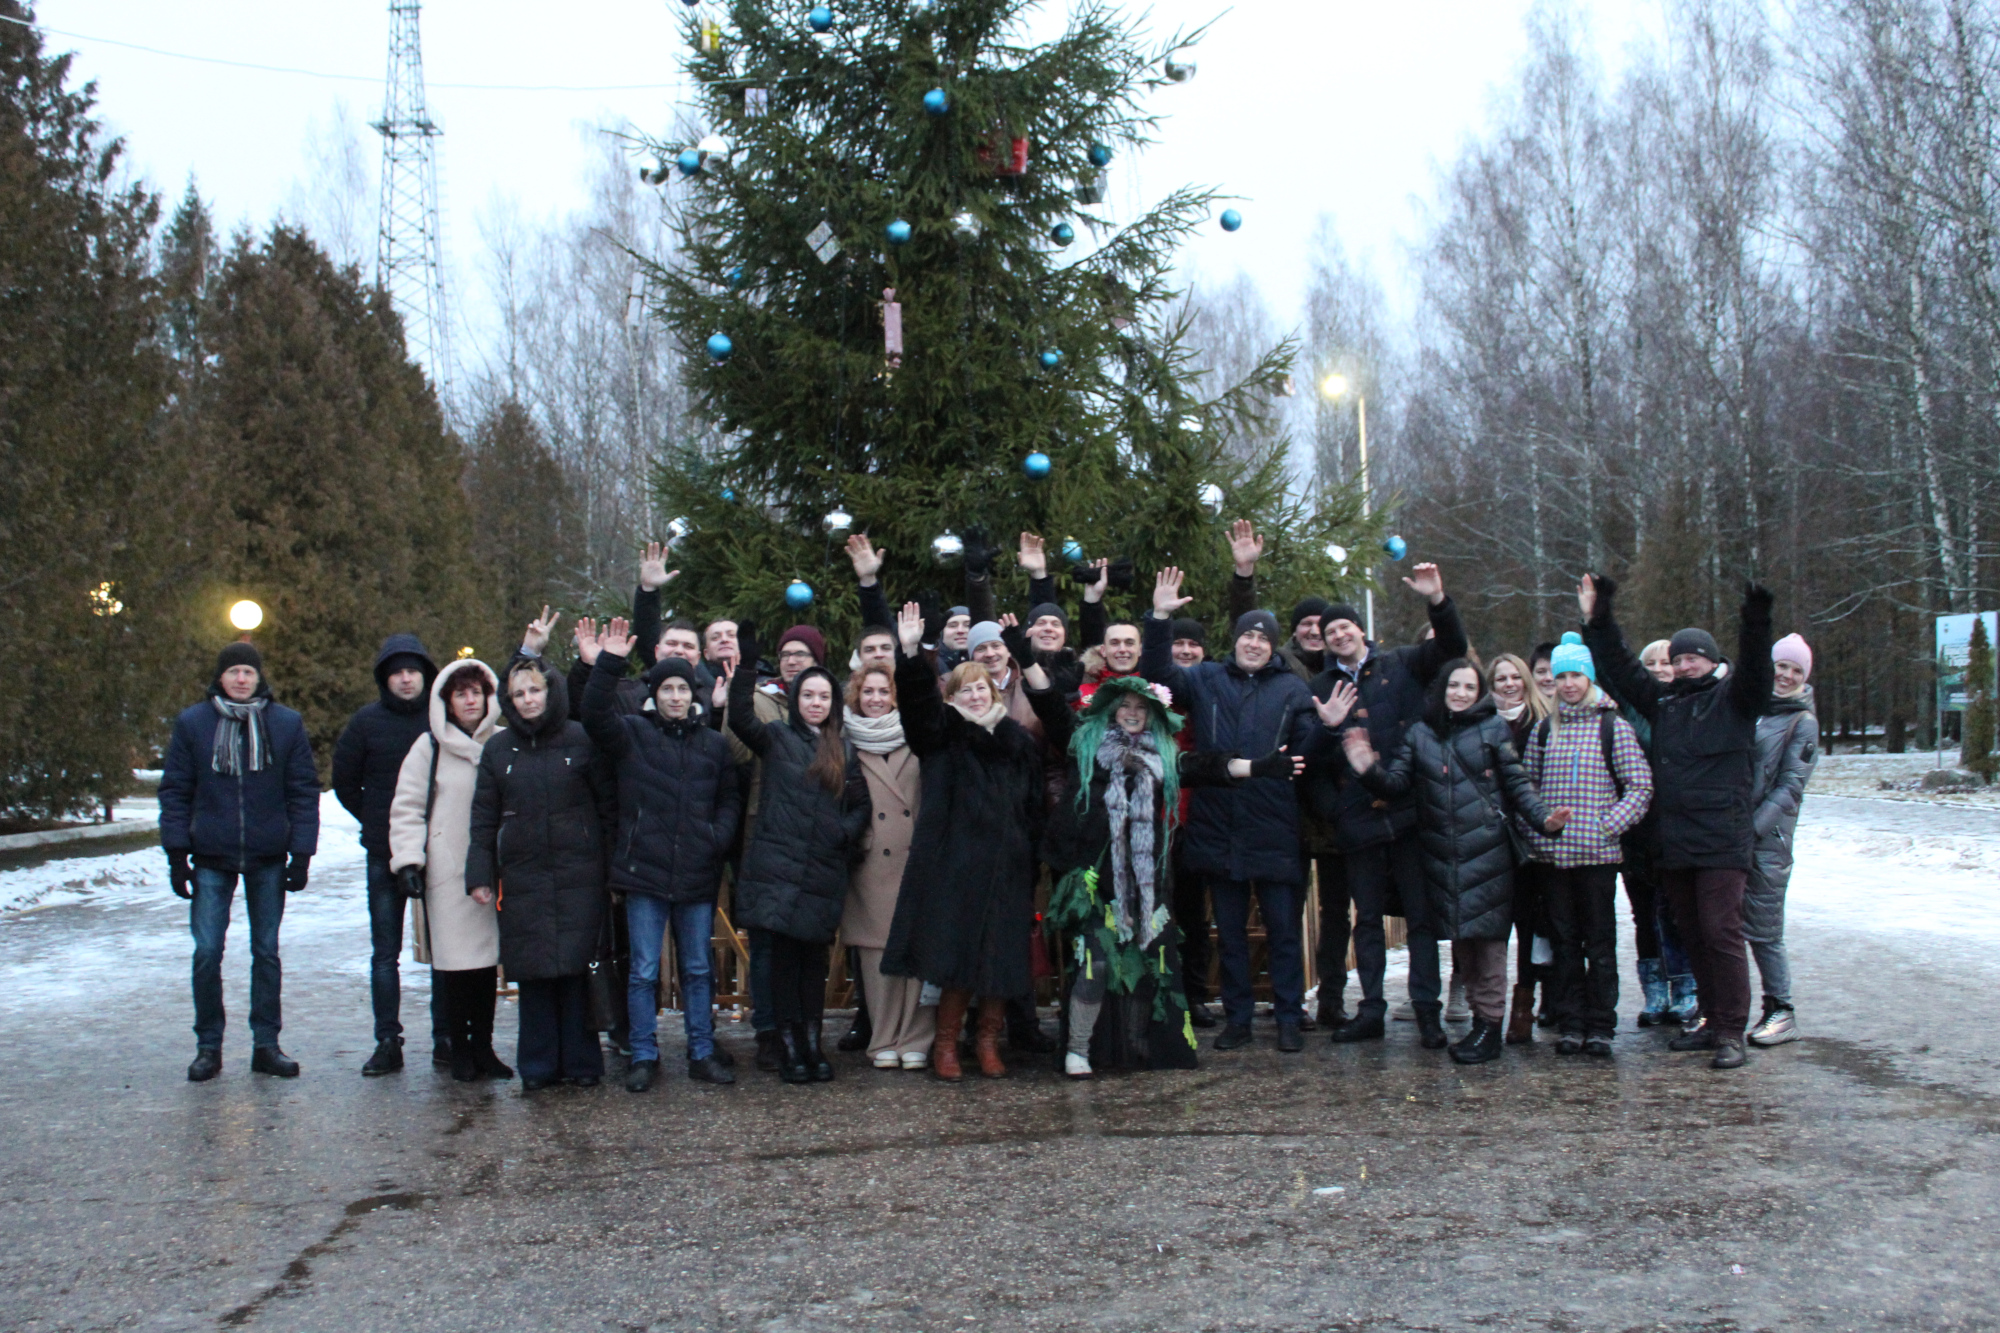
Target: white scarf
875, 735
1513, 714
988, 719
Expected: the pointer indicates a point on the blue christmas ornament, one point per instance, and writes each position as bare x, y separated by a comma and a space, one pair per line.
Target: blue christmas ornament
936, 102
799, 595
719, 346
1051, 359
821, 19
1036, 464
1100, 155
1063, 234
1396, 547
735, 278
689, 161
1073, 550
728, 496
1231, 219
898, 232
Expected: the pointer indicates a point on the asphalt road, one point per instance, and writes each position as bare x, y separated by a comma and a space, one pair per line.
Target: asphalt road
1845, 1182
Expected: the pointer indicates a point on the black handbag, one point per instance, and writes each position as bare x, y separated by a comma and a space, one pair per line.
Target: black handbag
417, 885
607, 995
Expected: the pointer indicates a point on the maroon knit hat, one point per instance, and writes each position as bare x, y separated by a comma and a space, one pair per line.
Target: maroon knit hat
808, 636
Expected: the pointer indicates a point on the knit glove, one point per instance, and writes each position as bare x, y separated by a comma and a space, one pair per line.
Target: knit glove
1016, 640
180, 874
1121, 573
295, 873
979, 553
1277, 764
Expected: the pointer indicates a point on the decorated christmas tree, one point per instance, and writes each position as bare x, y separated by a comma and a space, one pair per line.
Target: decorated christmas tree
907, 310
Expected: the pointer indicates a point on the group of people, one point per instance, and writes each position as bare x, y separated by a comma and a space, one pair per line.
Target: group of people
986, 802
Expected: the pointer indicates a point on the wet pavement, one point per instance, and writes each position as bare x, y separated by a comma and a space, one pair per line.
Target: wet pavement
1845, 1182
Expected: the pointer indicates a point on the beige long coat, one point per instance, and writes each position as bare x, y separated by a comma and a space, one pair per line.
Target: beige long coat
461, 933
893, 791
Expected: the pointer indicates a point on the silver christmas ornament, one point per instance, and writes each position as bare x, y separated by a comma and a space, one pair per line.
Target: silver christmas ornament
947, 546
1211, 497
837, 522
678, 528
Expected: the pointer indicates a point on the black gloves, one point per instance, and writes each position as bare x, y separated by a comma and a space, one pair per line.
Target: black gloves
410, 881
1016, 640
1121, 573
1757, 600
979, 553
295, 873
1087, 576
934, 609
1277, 764
180, 874
1606, 586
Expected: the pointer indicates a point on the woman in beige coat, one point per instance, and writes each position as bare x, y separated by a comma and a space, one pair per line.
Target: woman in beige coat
904, 1027
430, 822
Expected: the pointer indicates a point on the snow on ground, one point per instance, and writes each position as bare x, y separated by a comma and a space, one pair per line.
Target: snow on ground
1874, 868
1866, 774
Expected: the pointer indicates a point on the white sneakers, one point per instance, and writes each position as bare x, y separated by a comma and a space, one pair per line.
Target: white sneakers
1779, 1026
916, 1059
887, 1060
1076, 1066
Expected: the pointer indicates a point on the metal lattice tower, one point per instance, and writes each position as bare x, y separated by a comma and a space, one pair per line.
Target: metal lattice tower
409, 243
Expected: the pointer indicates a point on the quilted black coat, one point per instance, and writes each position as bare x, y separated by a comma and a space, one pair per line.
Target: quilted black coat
967, 904
678, 798
540, 816
801, 853
1466, 783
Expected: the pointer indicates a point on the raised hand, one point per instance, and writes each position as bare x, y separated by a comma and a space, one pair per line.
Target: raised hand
588, 644
617, 638
1167, 597
1033, 556
910, 628
1586, 596
1246, 548
1093, 583
1426, 582
653, 571
1360, 754
718, 698
1333, 709
867, 561
535, 641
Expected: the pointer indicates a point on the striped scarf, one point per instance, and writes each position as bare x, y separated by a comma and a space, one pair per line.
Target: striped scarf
240, 722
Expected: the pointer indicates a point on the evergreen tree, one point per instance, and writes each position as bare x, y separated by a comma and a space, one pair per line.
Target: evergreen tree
80, 383
525, 536
331, 488
1016, 341
1982, 711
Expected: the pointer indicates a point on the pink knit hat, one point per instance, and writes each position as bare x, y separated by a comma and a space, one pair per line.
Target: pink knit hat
1795, 650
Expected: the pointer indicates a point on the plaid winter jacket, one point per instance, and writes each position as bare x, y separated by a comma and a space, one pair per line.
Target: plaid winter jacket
1566, 761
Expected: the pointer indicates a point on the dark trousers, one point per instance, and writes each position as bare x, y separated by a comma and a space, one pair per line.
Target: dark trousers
1708, 909
1581, 903
1278, 907
1642, 891
1370, 873
556, 1040
462, 1002
798, 979
208, 920
1530, 920
386, 910
1335, 929
1190, 912
763, 1013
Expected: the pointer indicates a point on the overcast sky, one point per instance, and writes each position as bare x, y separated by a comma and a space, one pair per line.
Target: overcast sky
1338, 107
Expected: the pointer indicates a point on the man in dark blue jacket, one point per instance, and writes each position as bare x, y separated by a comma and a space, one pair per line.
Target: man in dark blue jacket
239, 796
1376, 838
367, 760
1244, 838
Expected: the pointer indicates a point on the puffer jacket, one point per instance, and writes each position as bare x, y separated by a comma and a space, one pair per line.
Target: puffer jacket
1246, 831
1565, 759
235, 823
368, 757
678, 798
1466, 784
540, 817
799, 857
1392, 684
1704, 736
1787, 750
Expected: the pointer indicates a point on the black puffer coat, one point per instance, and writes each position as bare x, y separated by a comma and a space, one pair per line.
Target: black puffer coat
1391, 685
1704, 737
800, 855
540, 816
368, 757
967, 904
678, 798
1465, 785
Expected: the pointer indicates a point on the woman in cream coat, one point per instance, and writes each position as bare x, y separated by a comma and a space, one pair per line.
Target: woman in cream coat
428, 855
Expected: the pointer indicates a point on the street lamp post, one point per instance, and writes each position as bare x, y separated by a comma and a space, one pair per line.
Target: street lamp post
1333, 386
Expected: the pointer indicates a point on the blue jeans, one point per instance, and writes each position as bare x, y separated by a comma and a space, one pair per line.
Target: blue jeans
646, 920
386, 910
1278, 907
208, 919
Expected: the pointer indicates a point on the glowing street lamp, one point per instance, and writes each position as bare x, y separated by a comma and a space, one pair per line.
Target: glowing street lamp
246, 615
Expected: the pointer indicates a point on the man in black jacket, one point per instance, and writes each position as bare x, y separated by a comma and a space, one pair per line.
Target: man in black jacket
367, 759
1376, 837
1704, 752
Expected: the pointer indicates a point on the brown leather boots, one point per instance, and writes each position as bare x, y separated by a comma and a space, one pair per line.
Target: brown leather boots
952, 1006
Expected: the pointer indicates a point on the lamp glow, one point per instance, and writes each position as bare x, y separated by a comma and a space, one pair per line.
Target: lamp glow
246, 615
